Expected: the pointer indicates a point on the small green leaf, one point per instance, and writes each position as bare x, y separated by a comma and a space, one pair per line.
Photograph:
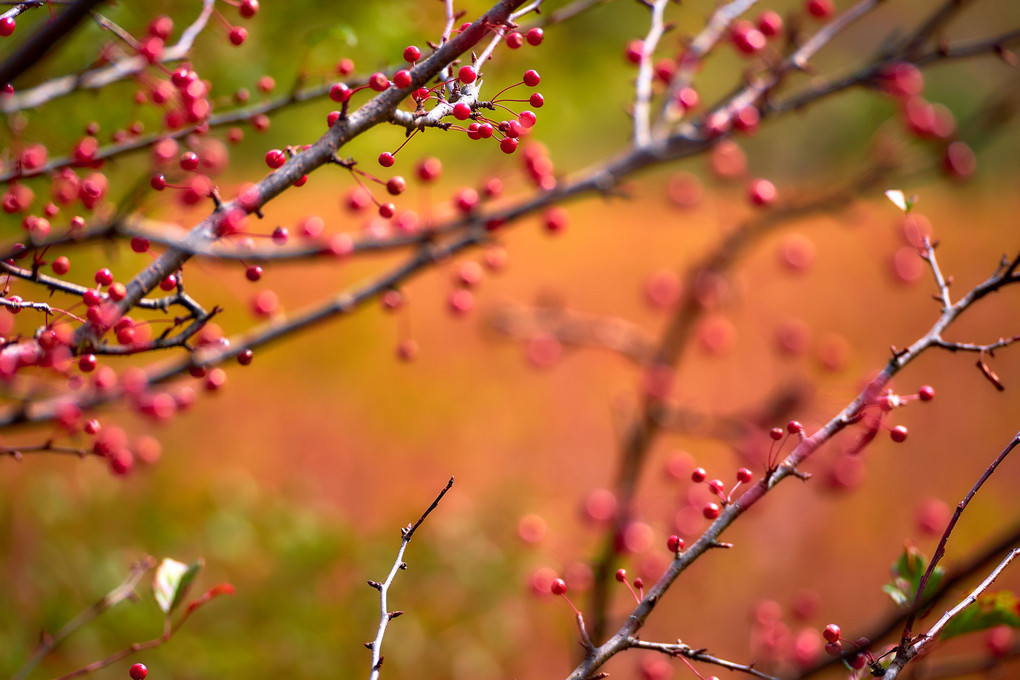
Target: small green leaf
896, 594
172, 581
990, 610
907, 571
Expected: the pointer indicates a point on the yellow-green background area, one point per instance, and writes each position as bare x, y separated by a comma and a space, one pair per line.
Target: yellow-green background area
293, 481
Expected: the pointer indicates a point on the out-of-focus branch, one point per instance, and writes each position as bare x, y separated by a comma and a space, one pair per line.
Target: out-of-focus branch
912, 649
124, 591
680, 649
48, 36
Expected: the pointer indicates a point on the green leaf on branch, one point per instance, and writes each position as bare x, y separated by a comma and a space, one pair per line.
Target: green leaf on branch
990, 610
172, 581
907, 571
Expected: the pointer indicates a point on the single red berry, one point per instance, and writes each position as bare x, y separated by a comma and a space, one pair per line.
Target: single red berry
429, 169
634, 51
280, 235
674, 544
820, 9
926, 393
831, 633
461, 111
245, 357
558, 587
396, 185
537, 100
466, 200
249, 8
61, 266
747, 38
87, 363
7, 26
332, 117
711, 510
527, 119
621, 575
744, 475
747, 120
386, 159
834, 648
770, 23
411, 54
237, 35
531, 78
140, 244
402, 78
387, 210
253, 273
169, 283
776, 433
699, 475
138, 671
535, 36
340, 92
467, 74
266, 84
91, 297
104, 277
275, 158
189, 161
555, 219
794, 427
508, 144
514, 40
379, 82
761, 192
345, 67
716, 487
687, 98
898, 433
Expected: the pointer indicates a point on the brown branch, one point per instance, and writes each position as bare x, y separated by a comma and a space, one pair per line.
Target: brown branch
48, 36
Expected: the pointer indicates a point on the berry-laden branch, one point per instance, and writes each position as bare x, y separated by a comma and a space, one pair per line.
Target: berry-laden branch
384, 588
807, 446
98, 78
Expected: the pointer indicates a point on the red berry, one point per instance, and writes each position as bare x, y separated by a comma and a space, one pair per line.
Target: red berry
340, 92
535, 36
527, 119
926, 393
776, 433
674, 544
61, 266
87, 363
898, 433
429, 169
621, 575
379, 82
555, 219
466, 200
831, 633
461, 111
411, 54
249, 8
275, 158
467, 74
253, 273
959, 161
820, 9
744, 475
189, 161
345, 67
237, 35
634, 50
761, 192
514, 40
508, 144
531, 78
747, 38
698, 475
386, 159
770, 23
794, 427
245, 357
138, 671
7, 26
104, 277
711, 510
402, 78
396, 185
558, 587
387, 210
537, 100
